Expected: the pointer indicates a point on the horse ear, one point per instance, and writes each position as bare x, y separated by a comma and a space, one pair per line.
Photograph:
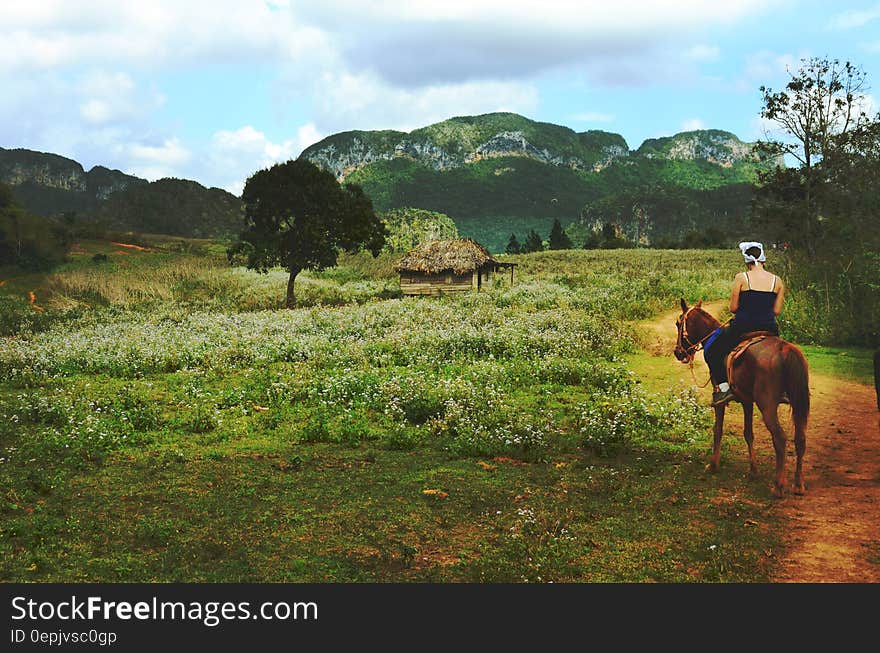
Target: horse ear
699, 303
684, 305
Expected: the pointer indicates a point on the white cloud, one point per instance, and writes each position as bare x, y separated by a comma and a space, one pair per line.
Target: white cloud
423, 43
114, 97
693, 124
307, 135
764, 129
766, 64
767, 68
167, 159
702, 53
344, 101
92, 116
593, 116
95, 111
853, 19
405, 43
868, 104
58, 34
235, 155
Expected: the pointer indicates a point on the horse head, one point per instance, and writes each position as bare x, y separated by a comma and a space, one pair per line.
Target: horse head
693, 325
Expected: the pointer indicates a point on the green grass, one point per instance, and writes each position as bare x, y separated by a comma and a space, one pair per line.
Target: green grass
851, 363
492, 437
318, 513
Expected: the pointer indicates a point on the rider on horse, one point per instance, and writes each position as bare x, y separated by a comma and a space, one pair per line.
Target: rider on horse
755, 300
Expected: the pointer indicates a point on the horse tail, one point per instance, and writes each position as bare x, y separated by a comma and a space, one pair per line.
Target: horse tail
795, 379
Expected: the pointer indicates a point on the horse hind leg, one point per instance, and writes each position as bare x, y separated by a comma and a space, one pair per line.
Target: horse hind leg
771, 420
800, 446
749, 435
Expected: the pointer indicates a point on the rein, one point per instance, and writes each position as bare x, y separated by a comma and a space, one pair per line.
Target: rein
693, 347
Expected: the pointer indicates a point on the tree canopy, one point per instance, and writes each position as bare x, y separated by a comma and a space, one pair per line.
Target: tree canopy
533, 243
558, 238
298, 216
408, 227
26, 240
823, 210
821, 103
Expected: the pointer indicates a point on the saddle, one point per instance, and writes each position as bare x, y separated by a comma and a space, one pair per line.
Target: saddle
747, 340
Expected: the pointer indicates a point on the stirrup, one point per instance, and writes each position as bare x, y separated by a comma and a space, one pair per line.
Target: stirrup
722, 397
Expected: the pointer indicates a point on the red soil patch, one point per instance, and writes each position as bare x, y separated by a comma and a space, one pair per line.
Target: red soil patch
130, 246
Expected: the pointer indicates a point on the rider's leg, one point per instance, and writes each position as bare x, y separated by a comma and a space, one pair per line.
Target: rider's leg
717, 353
716, 359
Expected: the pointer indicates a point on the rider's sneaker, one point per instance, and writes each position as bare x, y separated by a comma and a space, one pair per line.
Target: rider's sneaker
721, 397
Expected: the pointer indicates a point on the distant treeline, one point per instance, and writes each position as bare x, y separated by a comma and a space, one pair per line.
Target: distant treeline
26, 240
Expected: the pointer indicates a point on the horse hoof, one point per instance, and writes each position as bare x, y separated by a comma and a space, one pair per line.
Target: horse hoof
778, 492
800, 490
711, 468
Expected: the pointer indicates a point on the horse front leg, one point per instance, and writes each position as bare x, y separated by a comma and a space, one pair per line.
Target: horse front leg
749, 435
772, 422
715, 461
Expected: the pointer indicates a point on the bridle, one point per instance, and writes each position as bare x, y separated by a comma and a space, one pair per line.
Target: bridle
692, 347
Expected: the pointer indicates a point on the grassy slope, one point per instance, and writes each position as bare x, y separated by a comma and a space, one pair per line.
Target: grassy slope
238, 472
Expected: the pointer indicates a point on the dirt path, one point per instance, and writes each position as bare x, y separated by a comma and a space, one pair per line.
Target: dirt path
832, 533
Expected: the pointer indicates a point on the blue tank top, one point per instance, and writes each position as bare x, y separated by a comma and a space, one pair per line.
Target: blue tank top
756, 307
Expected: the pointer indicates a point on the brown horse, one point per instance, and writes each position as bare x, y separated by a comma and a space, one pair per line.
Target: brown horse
761, 375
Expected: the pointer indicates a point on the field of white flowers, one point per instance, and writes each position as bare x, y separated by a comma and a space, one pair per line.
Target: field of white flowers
527, 385
465, 370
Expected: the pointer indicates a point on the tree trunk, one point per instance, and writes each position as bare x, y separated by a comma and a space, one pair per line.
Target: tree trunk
290, 301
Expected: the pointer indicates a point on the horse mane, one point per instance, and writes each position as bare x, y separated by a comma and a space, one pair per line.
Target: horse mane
710, 320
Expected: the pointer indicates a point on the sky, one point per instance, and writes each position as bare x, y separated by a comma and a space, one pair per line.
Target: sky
214, 90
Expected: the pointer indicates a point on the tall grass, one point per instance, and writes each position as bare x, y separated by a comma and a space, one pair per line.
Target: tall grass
181, 278
200, 282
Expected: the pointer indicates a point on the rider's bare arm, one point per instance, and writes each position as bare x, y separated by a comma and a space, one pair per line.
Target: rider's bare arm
780, 296
734, 293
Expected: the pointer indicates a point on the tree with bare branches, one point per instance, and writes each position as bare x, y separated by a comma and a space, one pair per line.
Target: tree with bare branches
823, 101
825, 207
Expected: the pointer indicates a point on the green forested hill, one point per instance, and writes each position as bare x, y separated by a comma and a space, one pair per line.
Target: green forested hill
51, 186
177, 207
501, 173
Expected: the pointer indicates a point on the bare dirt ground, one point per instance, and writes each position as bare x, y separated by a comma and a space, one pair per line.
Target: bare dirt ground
832, 533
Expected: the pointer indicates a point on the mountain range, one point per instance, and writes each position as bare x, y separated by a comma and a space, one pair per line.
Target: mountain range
502, 173
50, 185
494, 174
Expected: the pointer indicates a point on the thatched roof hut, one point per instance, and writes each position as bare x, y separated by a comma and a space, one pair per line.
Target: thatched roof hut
437, 266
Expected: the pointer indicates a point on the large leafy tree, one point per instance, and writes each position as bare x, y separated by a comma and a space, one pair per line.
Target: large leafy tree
299, 217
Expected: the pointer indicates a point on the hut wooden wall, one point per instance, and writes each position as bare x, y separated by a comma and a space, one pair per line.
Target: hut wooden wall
413, 283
